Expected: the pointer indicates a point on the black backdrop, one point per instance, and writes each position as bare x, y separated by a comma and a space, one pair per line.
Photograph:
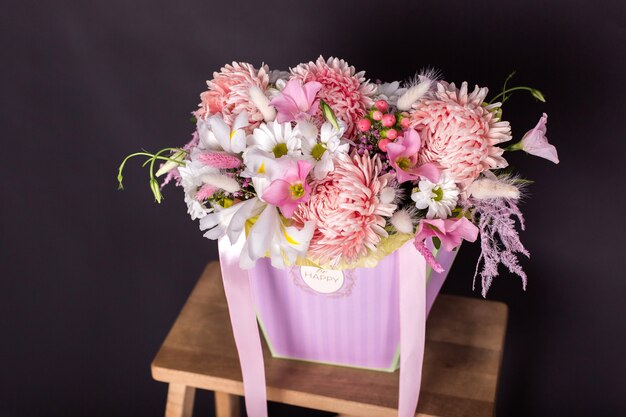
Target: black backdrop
92, 278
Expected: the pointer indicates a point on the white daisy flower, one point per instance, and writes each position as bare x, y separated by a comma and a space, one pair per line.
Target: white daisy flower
439, 198
277, 139
191, 178
329, 146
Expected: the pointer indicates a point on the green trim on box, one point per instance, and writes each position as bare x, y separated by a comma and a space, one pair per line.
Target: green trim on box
392, 368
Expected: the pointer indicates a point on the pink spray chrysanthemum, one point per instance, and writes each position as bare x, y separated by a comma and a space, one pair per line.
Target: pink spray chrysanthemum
347, 92
229, 93
347, 209
459, 134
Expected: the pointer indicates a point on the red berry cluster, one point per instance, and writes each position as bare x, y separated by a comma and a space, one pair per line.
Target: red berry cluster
385, 121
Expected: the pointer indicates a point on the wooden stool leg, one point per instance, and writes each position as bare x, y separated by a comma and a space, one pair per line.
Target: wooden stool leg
180, 401
226, 405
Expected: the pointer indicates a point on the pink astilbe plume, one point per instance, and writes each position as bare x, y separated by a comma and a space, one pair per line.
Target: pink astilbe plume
497, 228
206, 191
220, 160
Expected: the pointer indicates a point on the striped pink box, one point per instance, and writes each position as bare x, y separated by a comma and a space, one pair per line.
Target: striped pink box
348, 318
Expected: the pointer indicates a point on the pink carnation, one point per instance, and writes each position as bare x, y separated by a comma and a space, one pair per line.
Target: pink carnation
229, 95
347, 92
347, 209
459, 134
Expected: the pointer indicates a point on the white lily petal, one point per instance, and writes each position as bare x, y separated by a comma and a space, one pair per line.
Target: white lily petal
246, 210
206, 137
238, 141
241, 121
217, 222
221, 131
261, 233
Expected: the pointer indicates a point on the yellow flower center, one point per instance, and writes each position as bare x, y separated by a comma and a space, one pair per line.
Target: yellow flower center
297, 190
403, 163
280, 150
438, 193
318, 151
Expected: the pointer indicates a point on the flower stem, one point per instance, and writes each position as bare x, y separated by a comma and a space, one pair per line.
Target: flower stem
151, 159
534, 92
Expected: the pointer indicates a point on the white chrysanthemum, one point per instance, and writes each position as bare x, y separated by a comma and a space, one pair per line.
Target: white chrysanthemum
439, 198
389, 92
323, 152
278, 139
190, 179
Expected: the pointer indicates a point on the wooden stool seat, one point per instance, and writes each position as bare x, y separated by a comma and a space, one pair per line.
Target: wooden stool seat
464, 339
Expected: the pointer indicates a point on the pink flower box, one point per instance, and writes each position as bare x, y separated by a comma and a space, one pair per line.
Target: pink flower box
348, 318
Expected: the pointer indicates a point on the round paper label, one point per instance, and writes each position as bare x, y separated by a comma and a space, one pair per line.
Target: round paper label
324, 281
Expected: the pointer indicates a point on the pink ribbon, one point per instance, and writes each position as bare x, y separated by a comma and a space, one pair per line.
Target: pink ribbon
413, 312
412, 329
245, 330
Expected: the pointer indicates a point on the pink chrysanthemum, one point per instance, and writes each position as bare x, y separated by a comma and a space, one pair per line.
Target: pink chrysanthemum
459, 134
347, 209
347, 92
229, 95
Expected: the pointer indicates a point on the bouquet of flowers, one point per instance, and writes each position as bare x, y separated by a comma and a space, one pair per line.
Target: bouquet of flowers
320, 166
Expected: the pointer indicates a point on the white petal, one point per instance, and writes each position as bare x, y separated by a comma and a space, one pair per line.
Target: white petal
238, 142
221, 131
241, 121
261, 233
245, 210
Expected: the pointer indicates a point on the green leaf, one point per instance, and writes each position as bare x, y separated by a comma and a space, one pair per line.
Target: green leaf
436, 242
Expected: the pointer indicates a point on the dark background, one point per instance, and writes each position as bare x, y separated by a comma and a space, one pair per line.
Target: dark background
92, 278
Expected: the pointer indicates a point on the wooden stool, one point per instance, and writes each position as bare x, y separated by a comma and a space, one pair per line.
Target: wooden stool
464, 339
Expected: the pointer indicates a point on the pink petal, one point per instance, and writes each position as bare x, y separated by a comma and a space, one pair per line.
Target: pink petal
547, 152
428, 171
304, 167
455, 230
536, 143
310, 90
277, 193
412, 142
285, 107
296, 92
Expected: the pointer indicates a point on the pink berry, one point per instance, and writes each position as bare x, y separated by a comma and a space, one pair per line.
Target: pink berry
364, 125
392, 134
377, 115
382, 105
382, 144
389, 120
405, 122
